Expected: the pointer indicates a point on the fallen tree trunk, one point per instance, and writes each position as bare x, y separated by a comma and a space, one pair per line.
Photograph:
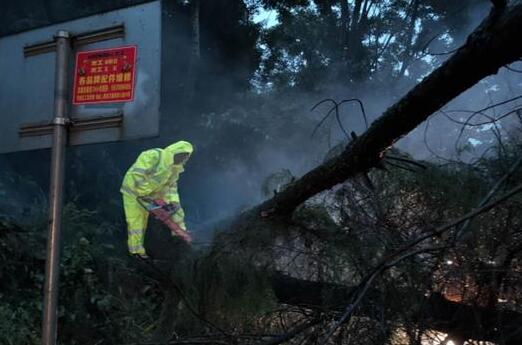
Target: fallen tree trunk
435, 312
492, 45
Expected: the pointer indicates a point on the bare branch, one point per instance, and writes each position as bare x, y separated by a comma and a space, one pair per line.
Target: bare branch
490, 194
394, 259
405, 160
294, 332
461, 71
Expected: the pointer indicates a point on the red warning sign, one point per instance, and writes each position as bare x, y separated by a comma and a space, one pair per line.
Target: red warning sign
105, 75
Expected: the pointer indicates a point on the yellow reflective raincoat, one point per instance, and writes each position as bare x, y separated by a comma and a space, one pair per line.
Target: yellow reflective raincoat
153, 175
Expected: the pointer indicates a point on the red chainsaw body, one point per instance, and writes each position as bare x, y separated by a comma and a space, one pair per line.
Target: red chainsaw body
160, 211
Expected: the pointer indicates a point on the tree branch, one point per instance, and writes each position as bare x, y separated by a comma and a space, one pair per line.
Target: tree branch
490, 194
437, 313
464, 69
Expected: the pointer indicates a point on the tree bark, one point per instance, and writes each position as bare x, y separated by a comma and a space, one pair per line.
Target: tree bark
344, 27
497, 35
408, 50
356, 15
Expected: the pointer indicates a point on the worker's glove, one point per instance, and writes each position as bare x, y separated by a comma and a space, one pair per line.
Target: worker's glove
171, 208
168, 207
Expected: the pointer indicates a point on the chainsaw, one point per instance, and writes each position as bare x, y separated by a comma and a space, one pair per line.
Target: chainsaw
163, 211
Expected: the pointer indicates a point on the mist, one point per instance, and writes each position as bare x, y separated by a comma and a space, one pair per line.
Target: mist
241, 137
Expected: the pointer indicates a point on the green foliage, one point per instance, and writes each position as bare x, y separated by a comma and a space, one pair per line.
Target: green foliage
18, 324
21, 283
317, 42
235, 292
93, 307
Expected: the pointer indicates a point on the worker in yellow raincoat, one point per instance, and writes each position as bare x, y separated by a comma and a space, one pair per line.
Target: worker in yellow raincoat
154, 175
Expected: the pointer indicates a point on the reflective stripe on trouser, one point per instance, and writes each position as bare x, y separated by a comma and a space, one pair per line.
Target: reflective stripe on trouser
136, 217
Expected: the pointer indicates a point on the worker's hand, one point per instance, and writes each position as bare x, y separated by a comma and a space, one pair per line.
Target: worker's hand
173, 204
171, 208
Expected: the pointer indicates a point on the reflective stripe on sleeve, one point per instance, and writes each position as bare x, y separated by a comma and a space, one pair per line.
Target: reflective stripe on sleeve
127, 190
157, 179
140, 170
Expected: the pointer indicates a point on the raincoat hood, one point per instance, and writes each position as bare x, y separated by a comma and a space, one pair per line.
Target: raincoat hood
178, 147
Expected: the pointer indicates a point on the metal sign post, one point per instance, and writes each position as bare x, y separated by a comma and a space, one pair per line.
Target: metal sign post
117, 97
52, 266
